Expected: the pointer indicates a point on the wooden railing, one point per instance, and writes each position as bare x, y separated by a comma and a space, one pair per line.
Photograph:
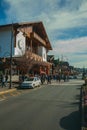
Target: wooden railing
30, 55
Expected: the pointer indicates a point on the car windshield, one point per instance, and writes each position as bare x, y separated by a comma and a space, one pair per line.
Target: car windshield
29, 79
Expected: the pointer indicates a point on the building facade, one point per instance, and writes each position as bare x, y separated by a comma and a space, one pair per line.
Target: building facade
28, 44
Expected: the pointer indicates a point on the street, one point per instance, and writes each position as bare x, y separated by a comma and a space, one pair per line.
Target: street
49, 107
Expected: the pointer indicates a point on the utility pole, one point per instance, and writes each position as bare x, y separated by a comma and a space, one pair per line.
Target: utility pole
11, 57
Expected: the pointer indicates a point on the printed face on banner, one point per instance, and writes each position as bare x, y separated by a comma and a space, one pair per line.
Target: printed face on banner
20, 44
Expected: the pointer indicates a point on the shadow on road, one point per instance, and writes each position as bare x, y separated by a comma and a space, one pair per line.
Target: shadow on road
73, 120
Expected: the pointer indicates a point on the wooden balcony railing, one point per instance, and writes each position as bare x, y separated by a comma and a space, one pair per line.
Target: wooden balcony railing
35, 57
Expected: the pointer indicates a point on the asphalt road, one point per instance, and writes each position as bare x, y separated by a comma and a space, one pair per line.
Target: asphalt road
50, 107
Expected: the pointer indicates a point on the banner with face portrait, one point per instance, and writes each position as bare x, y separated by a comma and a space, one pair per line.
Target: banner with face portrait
20, 44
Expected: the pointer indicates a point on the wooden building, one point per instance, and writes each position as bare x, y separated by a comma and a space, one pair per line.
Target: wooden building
29, 44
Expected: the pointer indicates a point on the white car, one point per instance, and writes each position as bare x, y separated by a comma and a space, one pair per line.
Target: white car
30, 82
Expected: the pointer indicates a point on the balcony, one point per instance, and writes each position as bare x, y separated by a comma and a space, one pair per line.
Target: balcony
35, 57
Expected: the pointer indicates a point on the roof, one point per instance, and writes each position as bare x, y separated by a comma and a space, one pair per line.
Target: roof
36, 25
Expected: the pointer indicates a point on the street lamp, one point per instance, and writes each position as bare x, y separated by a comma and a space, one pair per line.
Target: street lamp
11, 57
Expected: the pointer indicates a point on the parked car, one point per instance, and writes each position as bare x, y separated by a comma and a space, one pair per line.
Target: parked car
72, 77
30, 82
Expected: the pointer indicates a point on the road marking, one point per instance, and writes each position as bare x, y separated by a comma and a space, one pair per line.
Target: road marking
13, 94
2, 96
1, 100
18, 92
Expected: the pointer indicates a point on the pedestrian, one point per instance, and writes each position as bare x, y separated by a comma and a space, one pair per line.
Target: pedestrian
20, 79
64, 78
48, 79
6, 79
1, 78
41, 79
23, 77
58, 78
3, 81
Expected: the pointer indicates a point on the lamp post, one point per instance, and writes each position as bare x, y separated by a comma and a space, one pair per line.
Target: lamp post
11, 57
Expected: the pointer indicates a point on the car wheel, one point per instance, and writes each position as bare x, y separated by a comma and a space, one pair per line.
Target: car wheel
33, 86
38, 85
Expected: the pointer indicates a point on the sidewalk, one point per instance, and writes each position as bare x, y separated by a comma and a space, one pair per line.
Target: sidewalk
14, 85
5, 90
84, 107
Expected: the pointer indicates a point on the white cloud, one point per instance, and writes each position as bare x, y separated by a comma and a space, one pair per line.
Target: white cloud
71, 46
71, 14
74, 50
49, 12
80, 64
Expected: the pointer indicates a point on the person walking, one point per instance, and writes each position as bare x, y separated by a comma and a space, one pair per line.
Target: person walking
64, 78
48, 79
6, 80
58, 78
41, 79
3, 81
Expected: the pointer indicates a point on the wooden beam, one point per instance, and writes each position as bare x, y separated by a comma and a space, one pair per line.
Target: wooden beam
26, 30
37, 37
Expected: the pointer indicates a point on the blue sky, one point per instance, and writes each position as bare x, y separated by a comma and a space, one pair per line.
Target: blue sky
65, 22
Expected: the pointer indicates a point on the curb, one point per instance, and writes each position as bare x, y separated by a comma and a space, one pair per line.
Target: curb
8, 91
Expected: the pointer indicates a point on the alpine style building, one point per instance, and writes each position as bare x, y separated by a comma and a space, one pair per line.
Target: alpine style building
25, 46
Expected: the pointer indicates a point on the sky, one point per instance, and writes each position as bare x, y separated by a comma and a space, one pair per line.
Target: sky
65, 22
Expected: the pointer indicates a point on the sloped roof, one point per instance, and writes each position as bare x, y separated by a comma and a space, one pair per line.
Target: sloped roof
38, 26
